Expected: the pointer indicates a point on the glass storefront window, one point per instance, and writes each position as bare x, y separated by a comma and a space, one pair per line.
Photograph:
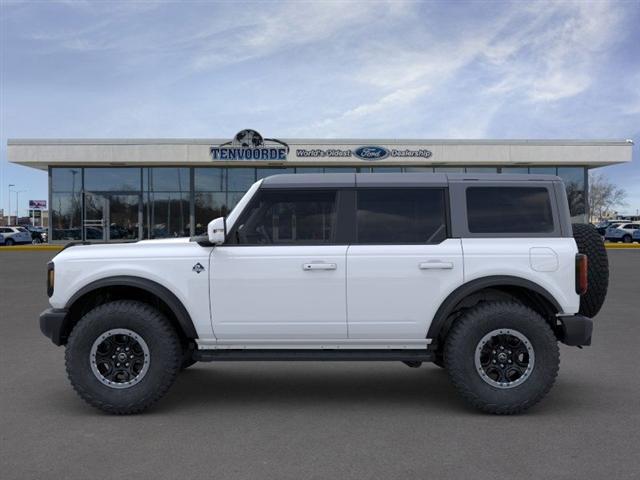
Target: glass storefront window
267, 172
66, 216
167, 215
383, 169
66, 179
573, 178
166, 179
481, 170
449, 169
212, 179
340, 169
208, 206
240, 179
309, 169
418, 169
112, 179
514, 170
543, 170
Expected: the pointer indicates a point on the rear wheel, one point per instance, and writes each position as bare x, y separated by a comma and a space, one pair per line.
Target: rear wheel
502, 357
9, 242
123, 356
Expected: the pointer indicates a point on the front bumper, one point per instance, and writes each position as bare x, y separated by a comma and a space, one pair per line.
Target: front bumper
53, 325
575, 330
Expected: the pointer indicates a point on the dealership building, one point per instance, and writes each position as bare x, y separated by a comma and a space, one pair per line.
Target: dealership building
130, 189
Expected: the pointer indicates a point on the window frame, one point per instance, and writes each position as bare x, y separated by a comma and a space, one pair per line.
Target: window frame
460, 217
445, 203
231, 239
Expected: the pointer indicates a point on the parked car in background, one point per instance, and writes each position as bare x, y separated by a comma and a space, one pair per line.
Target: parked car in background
636, 236
38, 234
602, 226
621, 233
1, 239
15, 235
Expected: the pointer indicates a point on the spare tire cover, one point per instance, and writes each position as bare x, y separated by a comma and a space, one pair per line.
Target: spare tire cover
590, 243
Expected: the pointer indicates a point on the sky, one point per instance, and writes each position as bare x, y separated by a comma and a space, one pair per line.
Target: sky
374, 69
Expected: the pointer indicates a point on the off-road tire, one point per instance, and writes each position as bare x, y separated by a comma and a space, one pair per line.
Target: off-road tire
165, 354
463, 339
590, 243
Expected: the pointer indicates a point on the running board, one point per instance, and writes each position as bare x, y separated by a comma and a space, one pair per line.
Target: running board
313, 355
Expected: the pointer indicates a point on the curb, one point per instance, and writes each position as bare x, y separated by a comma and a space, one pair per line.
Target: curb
622, 246
30, 248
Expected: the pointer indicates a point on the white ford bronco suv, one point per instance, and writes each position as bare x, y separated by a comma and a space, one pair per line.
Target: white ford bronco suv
481, 274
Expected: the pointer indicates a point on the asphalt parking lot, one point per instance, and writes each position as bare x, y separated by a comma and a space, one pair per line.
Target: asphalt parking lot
318, 420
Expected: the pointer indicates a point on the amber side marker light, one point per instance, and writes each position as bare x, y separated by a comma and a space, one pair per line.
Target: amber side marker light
50, 278
582, 279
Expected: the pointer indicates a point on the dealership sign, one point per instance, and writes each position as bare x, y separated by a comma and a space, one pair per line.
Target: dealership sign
250, 145
37, 204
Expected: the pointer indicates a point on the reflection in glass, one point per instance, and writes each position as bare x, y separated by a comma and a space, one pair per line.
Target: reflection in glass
481, 170
208, 206
340, 169
166, 179
514, 170
383, 169
111, 179
124, 217
573, 178
449, 169
211, 179
240, 179
65, 216
418, 169
309, 170
66, 179
167, 215
267, 172
543, 170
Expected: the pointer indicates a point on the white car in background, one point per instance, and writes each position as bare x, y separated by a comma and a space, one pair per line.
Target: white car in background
15, 235
621, 233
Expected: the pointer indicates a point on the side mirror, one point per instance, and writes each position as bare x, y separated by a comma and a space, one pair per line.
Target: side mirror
217, 230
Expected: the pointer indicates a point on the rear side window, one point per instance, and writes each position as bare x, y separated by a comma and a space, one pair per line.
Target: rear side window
509, 210
289, 217
390, 215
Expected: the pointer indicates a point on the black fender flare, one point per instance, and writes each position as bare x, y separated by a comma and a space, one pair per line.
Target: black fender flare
469, 288
154, 288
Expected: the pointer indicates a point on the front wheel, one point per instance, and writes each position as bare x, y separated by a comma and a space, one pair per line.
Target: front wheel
123, 356
502, 357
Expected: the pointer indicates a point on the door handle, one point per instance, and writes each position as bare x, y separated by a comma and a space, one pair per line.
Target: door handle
319, 266
435, 265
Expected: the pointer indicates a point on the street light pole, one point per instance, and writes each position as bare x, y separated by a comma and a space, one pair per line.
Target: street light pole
9, 211
18, 192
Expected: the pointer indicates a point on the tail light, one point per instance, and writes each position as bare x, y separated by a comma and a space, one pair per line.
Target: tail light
582, 279
50, 278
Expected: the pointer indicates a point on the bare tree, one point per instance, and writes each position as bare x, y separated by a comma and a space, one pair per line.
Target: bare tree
604, 196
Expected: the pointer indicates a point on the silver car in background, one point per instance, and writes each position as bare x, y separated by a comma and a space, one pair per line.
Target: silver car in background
15, 235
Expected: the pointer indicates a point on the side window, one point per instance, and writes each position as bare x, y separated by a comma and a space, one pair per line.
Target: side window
289, 217
509, 210
401, 215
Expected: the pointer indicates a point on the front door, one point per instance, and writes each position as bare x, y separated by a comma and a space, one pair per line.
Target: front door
111, 217
280, 276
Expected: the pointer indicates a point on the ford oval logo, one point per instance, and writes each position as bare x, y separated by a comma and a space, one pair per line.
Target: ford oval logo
371, 153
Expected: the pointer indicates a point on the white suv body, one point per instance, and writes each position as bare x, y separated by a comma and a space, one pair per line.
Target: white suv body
15, 235
622, 232
363, 266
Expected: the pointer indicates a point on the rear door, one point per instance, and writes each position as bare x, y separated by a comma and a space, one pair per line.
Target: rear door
402, 263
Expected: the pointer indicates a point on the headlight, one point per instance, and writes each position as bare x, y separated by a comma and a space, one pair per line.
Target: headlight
50, 278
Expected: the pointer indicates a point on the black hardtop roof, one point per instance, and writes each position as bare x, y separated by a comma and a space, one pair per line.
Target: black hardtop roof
409, 179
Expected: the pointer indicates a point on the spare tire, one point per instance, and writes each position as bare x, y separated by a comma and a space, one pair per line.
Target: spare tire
590, 243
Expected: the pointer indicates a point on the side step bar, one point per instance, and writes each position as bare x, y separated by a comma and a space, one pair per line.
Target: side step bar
313, 355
